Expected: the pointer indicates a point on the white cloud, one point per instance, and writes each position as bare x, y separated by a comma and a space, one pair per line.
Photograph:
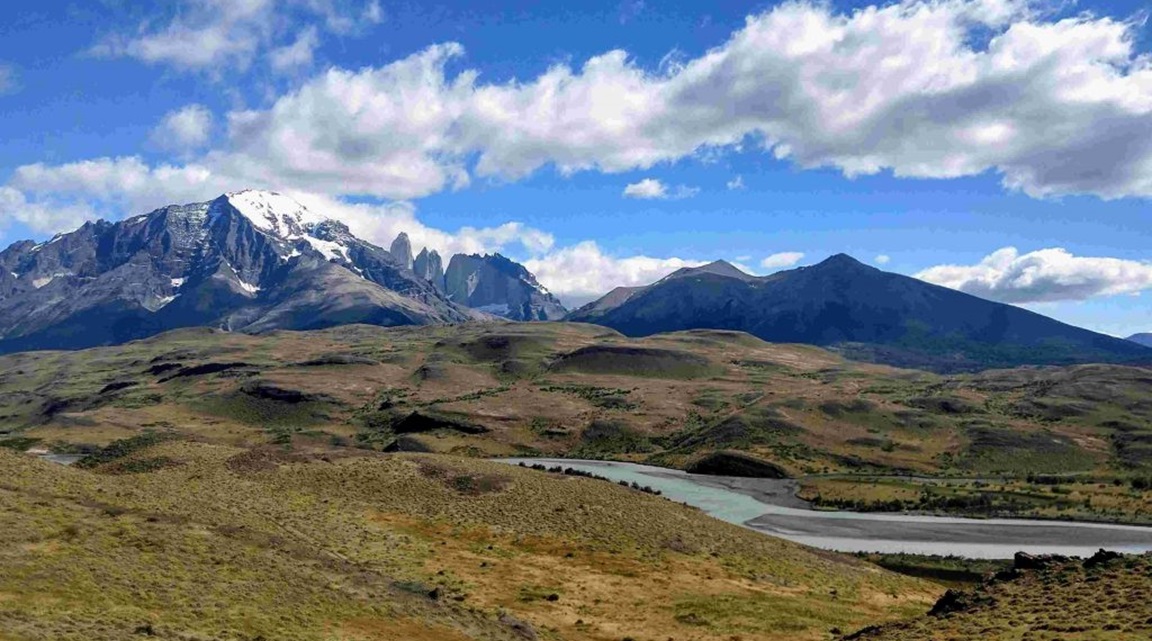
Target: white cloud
296, 55
184, 129
124, 184
225, 34
882, 259
8, 81
1045, 275
54, 198
42, 217
372, 13
648, 188
653, 189
736, 183
583, 272
378, 131
782, 259
1054, 106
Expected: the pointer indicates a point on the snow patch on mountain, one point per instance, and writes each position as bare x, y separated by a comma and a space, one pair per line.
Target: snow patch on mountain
273, 212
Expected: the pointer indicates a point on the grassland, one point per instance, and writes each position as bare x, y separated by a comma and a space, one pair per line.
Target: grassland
1098, 599
563, 389
269, 542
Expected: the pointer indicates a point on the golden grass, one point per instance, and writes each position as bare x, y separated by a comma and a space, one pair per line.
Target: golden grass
288, 545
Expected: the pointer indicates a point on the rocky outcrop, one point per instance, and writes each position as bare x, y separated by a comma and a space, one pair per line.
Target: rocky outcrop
430, 267
401, 250
730, 463
497, 285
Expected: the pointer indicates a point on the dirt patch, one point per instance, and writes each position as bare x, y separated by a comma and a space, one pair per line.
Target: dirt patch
464, 483
263, 459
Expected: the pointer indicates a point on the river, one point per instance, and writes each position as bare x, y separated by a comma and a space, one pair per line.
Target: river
769, 506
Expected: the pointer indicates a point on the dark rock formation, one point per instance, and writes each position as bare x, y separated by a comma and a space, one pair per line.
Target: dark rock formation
430, 267
497, 285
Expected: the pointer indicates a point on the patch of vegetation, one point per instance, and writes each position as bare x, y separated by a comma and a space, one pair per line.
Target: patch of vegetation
122, 448
1102, 598
950, 571
603, 437
19, 443
571, 471
995, 449
610, 398
622, 360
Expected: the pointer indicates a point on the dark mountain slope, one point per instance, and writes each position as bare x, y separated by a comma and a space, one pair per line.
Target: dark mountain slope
1143, 338
865, 312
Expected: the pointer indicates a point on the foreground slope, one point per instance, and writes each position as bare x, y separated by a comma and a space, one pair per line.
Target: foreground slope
184, 540
863, 311
1103, 598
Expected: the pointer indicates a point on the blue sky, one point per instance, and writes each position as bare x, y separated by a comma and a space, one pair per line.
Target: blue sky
934, 135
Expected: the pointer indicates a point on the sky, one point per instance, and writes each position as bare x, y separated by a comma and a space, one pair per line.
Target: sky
999, 147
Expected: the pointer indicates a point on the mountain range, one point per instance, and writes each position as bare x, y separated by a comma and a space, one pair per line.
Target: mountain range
255, 261
862, 311
247, 261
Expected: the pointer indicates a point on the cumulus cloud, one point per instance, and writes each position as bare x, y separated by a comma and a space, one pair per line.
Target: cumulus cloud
927, 89
215, 34
54, 198
1045, 275
938, 89
736, 183
583, 272
782, 259
378, 131
882, 259
653, 189
184, 129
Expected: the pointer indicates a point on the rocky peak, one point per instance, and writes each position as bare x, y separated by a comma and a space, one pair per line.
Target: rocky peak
717, 267
401, 250
429, 266
497, 285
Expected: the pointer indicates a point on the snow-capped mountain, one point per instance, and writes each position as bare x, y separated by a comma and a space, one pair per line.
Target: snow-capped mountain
247, 261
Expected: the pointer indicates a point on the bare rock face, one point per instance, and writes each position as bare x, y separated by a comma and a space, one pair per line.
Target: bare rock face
401, 250
430, 267
246, 261
497, 285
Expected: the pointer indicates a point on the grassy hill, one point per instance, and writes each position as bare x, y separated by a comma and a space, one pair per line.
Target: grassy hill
184, 540
1074, 442
1103, 598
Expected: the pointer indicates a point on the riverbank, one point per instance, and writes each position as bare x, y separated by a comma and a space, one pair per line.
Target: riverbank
768, 506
